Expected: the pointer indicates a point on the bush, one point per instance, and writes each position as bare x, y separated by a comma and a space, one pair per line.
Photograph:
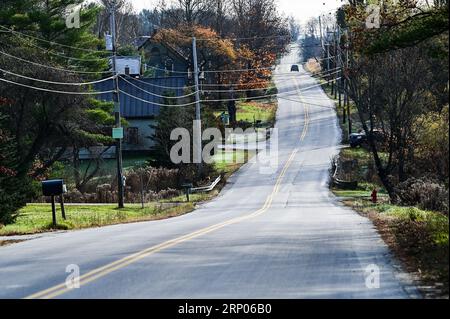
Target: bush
152, 179
424, 193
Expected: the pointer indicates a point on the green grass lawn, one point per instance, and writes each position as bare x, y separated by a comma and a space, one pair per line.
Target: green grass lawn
228, 162
263, 110
37, 218
255, 111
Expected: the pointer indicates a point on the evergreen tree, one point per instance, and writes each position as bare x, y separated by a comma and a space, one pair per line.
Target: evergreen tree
42, 126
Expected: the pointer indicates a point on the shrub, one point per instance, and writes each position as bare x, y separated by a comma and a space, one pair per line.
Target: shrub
152, 179
424, 193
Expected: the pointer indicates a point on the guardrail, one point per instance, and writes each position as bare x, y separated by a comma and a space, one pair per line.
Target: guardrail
190, 190
207, 188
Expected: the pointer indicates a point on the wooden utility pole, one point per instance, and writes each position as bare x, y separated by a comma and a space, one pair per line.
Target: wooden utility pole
339, 74
120, 179
321, 34
198, 124
335, 64
346, 87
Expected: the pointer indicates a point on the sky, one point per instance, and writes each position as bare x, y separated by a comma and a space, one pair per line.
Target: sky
300, 9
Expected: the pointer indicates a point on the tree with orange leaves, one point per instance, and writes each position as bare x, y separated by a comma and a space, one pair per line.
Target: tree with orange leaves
221, 55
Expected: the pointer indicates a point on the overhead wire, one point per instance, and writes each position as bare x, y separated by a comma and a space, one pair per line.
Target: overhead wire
52, 42
161, 86
259, 89
153, 103
54, 91
269, 95
52, 67
68, 57
157, 95
57, 83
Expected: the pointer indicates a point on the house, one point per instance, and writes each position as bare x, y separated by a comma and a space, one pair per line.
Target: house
140, 105
162, 60
166, 72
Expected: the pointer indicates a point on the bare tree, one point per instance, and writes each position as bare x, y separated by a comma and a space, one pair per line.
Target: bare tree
188, 12
389, 110
127, 21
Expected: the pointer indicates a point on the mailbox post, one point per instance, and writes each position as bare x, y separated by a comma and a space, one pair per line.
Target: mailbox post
187, 190
53, 188
61, 197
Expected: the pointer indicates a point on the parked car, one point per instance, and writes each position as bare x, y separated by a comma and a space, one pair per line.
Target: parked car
357, 139
294, 68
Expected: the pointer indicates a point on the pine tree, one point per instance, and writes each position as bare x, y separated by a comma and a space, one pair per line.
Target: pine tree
42, 126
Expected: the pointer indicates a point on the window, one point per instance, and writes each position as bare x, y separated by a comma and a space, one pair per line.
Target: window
132, 136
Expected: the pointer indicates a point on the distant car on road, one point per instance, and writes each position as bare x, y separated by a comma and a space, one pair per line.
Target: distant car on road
295, 68
357, 139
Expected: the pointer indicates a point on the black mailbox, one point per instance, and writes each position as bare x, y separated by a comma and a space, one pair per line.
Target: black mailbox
54, 187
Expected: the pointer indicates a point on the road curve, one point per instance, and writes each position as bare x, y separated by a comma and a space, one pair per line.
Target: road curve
274, 232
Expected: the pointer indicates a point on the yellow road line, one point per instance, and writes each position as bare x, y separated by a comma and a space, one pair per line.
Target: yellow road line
103, 271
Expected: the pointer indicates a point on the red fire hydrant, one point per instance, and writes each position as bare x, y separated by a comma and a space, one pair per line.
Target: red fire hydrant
374, 196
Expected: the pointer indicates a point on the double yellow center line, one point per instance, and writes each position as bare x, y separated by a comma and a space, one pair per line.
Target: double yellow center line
109, 268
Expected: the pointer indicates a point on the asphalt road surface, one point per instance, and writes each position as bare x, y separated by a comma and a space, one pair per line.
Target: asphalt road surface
274, 232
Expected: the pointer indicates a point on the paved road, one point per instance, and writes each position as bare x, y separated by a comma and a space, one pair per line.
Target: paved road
274, 232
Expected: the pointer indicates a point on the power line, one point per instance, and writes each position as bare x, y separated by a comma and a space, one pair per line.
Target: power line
54, 91
214, 85
271, 68
287, 93
249, 38
154, 103
67, 57
157, 95
269, 95
162, 86
52, 42
51, 67
259, 89
57, 83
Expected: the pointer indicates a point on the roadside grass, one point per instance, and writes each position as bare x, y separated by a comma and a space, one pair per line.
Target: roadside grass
36, 218
251, 111
418, 237
227, 162
360, 192
256, 111
194, 198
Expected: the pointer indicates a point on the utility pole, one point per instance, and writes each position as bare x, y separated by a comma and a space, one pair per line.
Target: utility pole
198, 124
120, 179
339, 74
335, 65
346, 87
321, 34
328, 60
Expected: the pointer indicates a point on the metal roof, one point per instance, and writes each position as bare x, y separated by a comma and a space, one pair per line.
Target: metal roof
134, 108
